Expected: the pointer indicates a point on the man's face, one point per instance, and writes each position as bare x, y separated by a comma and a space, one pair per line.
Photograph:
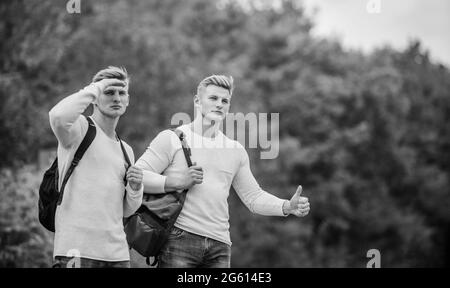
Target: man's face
113, 101
213, 102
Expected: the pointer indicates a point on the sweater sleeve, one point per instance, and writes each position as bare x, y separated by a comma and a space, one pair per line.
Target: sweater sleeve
65, 117
257, 200
155, 160
133, 198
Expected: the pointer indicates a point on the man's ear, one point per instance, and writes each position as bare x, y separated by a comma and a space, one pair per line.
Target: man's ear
94, 106
128, 99
197, 100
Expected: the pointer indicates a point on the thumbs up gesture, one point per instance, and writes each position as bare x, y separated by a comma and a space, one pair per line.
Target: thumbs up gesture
298, 205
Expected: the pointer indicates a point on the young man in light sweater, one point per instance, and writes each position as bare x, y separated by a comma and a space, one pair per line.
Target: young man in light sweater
89, 221
201, 235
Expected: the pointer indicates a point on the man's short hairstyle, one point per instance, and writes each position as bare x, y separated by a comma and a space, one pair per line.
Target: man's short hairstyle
223, 81
112, 72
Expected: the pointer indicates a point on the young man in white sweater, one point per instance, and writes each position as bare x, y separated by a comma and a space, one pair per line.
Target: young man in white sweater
89, 221
201, 235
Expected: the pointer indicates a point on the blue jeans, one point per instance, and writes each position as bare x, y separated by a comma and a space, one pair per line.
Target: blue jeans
63, 262
188, 250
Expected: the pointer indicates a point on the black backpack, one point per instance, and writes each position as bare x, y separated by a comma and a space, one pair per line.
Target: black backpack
49, 196
148, 229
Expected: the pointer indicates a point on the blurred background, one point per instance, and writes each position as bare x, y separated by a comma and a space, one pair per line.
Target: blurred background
362, 91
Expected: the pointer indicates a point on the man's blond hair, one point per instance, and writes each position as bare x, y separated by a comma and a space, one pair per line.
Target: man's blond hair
112, 72
223, 81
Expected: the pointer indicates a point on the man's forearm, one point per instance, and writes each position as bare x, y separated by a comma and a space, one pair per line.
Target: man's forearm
70, 108
154, 183
132, 201
263, 203
172, 184
64, 114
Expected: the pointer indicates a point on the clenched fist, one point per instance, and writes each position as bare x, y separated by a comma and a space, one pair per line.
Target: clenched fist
184, 179
134, 177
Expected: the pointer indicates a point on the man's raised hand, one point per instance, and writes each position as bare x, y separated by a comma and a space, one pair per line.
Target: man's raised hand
98, 87
104, 83
299, 205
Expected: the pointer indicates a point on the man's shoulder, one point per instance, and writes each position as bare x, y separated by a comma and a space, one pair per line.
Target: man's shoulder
174, 132
167, 139
231, 143
183, 128
169, 134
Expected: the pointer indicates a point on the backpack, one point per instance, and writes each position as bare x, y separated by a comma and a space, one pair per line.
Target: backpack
49, 196
148, 229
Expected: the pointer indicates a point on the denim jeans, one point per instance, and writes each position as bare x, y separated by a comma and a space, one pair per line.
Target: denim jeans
63, 262
188, 250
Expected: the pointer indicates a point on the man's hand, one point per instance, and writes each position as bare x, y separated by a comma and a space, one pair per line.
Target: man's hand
98, 87
185, 179
134, 177
298, 205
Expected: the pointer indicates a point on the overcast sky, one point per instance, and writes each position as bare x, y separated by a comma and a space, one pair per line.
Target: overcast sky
397, 23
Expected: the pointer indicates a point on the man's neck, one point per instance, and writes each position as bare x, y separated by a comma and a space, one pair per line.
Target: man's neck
107, 124
204, 127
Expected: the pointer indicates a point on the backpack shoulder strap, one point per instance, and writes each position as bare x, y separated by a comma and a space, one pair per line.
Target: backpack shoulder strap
186, 149
125, 154
87, 140
127, 159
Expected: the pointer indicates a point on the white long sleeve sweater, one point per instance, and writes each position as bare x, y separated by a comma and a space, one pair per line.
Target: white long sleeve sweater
225, 162
89, 221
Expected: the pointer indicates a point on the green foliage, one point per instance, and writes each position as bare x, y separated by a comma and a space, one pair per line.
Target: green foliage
365, 135
23, 241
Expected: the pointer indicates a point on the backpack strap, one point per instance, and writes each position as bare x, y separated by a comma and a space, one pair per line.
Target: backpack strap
125, 154
186, 149
87, 140
127, 159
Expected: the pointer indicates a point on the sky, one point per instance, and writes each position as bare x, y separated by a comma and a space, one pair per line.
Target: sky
369, 24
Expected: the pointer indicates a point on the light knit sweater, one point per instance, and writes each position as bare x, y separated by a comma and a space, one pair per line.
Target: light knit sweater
225, 162
89, 221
